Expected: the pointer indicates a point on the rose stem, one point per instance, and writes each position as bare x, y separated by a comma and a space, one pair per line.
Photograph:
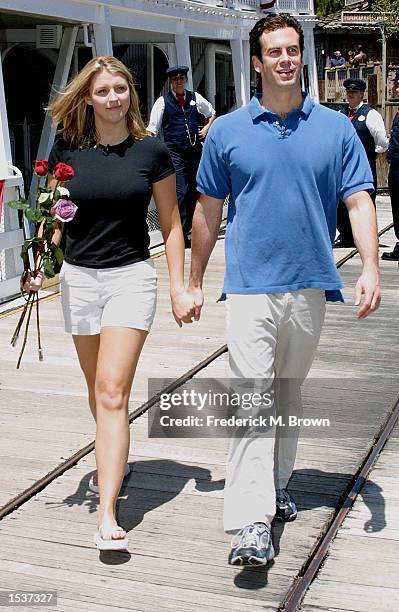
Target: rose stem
26, 333
21, 320
39, 344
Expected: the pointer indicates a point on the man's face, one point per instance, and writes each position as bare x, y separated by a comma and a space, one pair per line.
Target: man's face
178, 83
281, 63
337, 54
354, 97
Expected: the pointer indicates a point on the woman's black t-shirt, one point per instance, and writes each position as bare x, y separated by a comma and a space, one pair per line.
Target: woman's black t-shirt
112, 189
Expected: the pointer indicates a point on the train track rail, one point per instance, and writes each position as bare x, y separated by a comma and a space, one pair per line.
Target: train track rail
312, 565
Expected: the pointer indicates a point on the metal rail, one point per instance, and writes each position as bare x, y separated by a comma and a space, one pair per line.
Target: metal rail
314, 562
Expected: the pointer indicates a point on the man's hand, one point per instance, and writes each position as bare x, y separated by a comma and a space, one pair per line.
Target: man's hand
369, 286
198, 297
202, 132
182, 307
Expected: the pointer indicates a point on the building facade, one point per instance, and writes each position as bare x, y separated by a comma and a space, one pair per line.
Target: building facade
43, 44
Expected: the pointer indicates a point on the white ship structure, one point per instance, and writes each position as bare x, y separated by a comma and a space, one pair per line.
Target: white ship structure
45, 42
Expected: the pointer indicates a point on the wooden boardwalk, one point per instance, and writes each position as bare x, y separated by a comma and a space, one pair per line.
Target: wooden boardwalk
362, 569
172, 501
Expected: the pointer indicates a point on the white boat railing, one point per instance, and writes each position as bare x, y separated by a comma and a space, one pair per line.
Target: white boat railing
294, 7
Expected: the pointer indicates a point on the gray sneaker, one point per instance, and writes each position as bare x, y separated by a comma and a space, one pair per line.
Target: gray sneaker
254, 546
286, 509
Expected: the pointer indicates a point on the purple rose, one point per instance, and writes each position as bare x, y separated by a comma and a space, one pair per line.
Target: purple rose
64, 210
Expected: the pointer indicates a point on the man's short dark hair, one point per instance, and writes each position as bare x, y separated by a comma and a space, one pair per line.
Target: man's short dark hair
269, 24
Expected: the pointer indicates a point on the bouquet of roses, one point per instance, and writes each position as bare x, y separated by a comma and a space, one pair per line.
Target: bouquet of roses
53, 207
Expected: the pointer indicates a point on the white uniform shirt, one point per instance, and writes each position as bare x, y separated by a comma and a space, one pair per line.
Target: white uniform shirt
376, 127
203, 106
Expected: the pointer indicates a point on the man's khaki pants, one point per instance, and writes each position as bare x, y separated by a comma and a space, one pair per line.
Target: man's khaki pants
269, 337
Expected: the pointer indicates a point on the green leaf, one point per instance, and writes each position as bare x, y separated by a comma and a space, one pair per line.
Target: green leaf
21, 204
58, 254
57, 195
34, 214
44, 198
29, 243
48, 267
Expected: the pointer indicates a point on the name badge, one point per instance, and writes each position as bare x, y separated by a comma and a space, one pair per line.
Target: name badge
361, 118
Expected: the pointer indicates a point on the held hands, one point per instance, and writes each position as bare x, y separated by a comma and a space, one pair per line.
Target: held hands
186, 305
198, 297
182, 306
369, 286
32, 281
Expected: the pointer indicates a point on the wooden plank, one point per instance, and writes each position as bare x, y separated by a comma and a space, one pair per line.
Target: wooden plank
362, 568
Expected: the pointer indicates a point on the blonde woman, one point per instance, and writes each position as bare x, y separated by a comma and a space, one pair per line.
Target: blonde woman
108, 282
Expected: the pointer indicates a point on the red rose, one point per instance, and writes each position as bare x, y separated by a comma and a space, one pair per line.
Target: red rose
63, 172
41, 167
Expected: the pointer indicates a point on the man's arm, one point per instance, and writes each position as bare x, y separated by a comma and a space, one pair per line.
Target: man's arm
364, 227
376, 127
156, 116
206, 224
208, 122
205, 108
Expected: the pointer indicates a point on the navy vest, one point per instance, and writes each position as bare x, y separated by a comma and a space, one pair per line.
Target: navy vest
177, 120
393, 149
365, 136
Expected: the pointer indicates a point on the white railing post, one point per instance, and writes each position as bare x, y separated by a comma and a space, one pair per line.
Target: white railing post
239, 72
102, 33
182, 41
60, 80
11, 236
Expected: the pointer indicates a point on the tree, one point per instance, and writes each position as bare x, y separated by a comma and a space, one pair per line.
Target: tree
386, 12
326, 7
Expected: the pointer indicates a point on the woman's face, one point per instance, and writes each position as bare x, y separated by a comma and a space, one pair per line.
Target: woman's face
109, 96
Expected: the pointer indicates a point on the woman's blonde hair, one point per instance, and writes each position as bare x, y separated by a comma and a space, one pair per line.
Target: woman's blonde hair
76, 117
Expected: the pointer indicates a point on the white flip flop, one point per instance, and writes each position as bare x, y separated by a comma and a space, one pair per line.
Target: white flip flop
121, 544
94, 488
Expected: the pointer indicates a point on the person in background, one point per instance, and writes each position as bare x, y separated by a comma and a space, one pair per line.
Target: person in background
370, 128
393, 176
360, 56
108, 281
337, 60
179, 114
269, 158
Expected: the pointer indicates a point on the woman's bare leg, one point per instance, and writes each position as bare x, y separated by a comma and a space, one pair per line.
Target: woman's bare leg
118, 354
87, 349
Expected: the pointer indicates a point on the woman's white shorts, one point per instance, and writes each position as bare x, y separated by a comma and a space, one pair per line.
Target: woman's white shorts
95, 298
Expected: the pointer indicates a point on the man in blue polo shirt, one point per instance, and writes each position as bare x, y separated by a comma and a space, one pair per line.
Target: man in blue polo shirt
285, 162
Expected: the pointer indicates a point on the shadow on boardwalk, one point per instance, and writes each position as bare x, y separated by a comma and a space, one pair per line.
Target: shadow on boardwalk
154, 483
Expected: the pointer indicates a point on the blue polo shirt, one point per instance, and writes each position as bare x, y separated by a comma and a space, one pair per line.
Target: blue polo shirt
284, 179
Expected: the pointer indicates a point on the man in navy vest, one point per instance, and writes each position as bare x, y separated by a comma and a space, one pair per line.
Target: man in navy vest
393, 176
370, 128
179, 115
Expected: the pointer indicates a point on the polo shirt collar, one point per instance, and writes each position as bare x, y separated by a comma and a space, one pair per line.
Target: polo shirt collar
256, 110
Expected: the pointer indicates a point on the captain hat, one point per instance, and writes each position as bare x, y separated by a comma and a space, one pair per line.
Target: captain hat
177, 71
354, 85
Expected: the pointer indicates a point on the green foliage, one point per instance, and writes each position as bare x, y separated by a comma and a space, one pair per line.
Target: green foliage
326, 7
21, 204
48, 266
387, 12
28, 244
34, 214
42, 246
